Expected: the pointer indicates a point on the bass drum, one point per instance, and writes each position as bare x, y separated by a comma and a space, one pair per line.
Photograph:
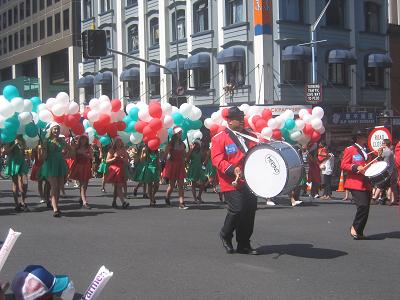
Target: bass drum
272, 168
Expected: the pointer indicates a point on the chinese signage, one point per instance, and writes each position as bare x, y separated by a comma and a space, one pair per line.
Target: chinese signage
353, 118
313, 93
376, 137
262, 17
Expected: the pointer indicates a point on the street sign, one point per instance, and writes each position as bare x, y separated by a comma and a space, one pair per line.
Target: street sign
180, 90
376, 137
313, 93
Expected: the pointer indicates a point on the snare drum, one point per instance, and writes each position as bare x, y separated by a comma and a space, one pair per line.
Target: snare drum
272, 168
379, 174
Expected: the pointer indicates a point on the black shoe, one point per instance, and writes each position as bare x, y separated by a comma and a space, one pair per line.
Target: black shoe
57, 214
167, 202
247, 250
125, 205
227, 244
80, 202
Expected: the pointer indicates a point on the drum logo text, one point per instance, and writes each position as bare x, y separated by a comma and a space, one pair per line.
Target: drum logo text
273, 163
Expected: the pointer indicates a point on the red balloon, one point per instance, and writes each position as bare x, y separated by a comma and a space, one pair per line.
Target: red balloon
246, 122
154, 143
86, 111
77, 117
149, 132
155, 110
120, 125
70, 121
315, 136
255, 119
308, 130
261, 124
112, 130
214, 129
224, 113
276, 134
104, 119
100, 130
78, 129
115, 105
266, 114
156, 124
145, 139
140, 125
59, 119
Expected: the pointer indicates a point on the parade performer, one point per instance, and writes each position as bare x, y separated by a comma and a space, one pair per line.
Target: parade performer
81, 168
209, 170
354, 162
17, 168
54, 167
139, 165
227, 153
150, 174
117, 158
103, 167
195, 173
35, 175
175, 166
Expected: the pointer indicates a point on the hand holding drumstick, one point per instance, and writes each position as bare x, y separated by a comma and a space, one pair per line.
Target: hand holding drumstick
238, 173
362, 169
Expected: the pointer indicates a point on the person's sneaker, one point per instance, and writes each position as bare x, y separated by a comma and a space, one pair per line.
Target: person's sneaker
382, 201
295, 203
316, 196
270, 203
183, 206
76, 185
42, 201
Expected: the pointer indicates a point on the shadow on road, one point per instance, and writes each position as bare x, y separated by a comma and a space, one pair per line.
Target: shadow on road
79, 214
301, 250
385, 235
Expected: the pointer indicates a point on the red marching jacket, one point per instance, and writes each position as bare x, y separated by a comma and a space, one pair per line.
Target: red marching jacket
352, 158
227, 153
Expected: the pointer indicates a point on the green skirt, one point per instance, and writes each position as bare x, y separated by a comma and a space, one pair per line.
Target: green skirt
138, 173
150, 174
53, 168
210, 171
103, 167
14, 168
195, 173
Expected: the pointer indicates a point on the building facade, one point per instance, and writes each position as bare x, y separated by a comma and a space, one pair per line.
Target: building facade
39, 46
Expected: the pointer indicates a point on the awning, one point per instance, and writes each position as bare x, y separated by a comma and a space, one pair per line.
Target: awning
231, 54
340, 56
103, 78
153, 71
296, 53
379, 60
172, 65
130, 74
198, 61
85, 81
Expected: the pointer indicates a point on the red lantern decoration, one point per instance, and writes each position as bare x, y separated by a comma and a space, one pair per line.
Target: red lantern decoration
115, 105
154, 143
277, 134
155, 110
140, 125
156, 124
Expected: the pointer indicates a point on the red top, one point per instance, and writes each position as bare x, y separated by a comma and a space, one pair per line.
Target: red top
81, 167
175, 164
227, 153
353, 157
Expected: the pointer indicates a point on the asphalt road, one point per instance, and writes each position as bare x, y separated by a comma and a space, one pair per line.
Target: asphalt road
166, 253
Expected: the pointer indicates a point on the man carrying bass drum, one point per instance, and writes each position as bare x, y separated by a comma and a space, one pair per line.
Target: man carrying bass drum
228, 151
354, 162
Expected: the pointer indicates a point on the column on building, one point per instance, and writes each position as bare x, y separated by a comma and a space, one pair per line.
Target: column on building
43, 76
221, 68
120, 45
74, 54
165, 79
143, 38
189, 31
355, 84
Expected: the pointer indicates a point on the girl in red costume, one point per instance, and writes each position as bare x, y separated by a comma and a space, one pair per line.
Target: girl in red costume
81, 168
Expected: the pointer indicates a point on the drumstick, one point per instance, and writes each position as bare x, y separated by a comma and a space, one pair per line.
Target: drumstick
235, 183
368, 164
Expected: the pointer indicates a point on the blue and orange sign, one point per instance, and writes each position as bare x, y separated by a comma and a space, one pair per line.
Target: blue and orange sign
262, 17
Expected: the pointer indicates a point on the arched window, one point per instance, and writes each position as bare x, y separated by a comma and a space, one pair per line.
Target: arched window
372, 17
133, 38
335, 15
178, 25
234, 11
154, 32
200, 16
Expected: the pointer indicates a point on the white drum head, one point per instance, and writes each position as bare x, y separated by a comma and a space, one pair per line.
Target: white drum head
376, 168
265, 172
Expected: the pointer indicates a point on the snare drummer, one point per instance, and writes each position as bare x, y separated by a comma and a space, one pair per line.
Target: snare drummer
227, 154
354, 160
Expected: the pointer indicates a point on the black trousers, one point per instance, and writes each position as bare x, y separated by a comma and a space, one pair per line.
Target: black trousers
362, 200
327, 185
242, 206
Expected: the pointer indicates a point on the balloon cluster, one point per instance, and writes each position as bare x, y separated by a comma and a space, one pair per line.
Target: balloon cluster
153, 123
308, 127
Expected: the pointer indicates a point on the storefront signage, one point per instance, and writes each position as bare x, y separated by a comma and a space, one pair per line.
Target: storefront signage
262, 17
353, 118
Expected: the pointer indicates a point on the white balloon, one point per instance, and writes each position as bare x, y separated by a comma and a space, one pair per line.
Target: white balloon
224, 123
168, 121
28, 105
195, 114
94, 104
186, 109
141, 105
136, 138
130, 106
288, 114
216, 117
272, 123
144, 114
25, 118
174, 109
302, 113
163, 135
104, 98
18, 104
300, 124
244, 108
45, 116
266, 133
31, 142
125, 137
50, 103
62, 97
21, 129
295, 135
73, 108
90, 131
105, 107
86, 123
41, 106
58, 109
166, 108
318, 112
198, 135
6, 109
35, 117
307, 118
93, 116
208, 123
2, 119
321, 130
316, 123
255, 110
120, 115
280, 122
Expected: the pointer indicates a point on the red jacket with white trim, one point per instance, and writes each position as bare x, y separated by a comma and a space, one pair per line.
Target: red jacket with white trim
227, 153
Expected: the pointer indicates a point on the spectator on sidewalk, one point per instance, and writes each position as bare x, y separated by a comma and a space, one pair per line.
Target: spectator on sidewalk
327, 170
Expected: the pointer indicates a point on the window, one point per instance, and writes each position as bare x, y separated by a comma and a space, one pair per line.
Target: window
106, 89
335, 14
28, 8
1, 48
57, 23
89, 94
154, 32
133, 38
105, 5
9, 17
15, 14
5, 45
16, 41
21, 10
41, 29
234, 11
132, 89
66, 19
235, 73
154, 84
35, 32
371, 13
49, 26
200, 79
41, 4
337, 74
108, 38
28, 35
34, 6
293, 10
22, 38
295, 71
375, 77
200, 16
178, 25
49, 3
87, 9
131, 2
4, 20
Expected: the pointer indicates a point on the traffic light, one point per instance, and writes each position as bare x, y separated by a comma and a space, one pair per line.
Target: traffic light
94, 43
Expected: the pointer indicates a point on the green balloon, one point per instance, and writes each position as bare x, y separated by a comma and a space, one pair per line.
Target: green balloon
8, 136
12, 124
35, 103
10, 92
134, 113
290, 124
41, 124
197, 124
178, 118
31, 130
105, 140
